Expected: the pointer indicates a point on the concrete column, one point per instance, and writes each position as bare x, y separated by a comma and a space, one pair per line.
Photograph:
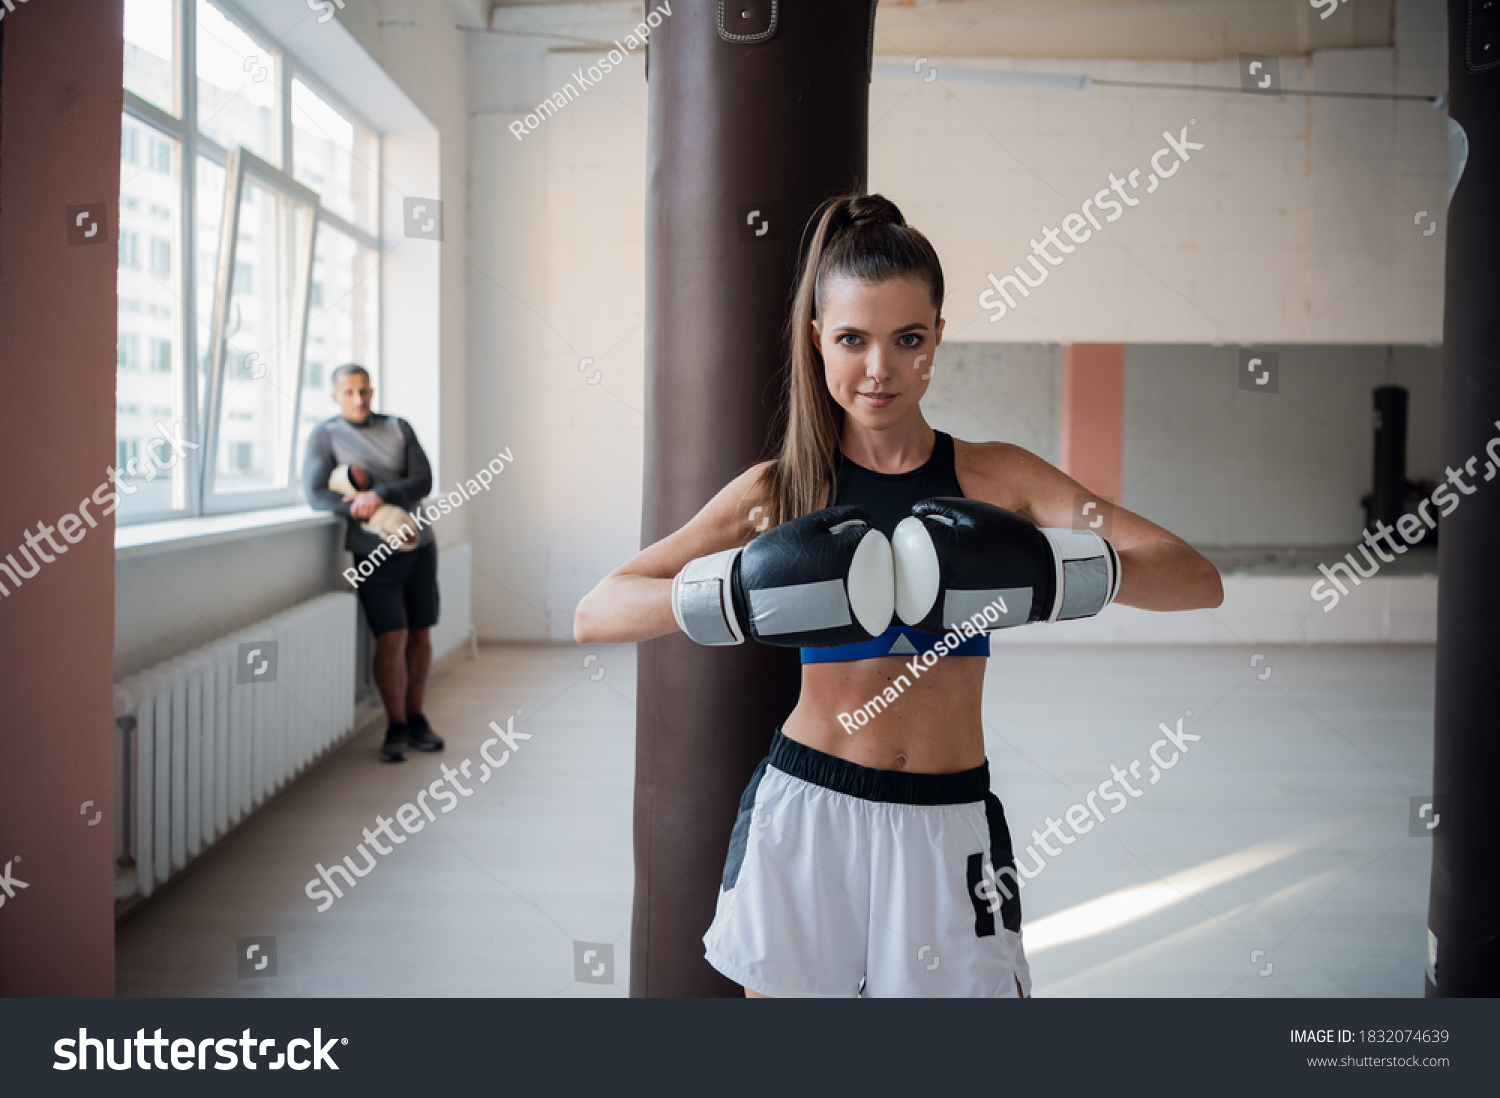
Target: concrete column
60, 62
1093, 416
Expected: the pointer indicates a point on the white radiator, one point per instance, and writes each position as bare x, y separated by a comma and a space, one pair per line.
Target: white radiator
196, 751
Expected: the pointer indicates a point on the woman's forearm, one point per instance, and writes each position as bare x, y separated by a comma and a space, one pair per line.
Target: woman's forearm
625, 608
1168, 576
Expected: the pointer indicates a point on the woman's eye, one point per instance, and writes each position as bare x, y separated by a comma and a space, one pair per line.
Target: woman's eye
851, 339
911, 339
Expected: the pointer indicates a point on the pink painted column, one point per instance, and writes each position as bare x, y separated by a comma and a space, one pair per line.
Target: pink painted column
59, 148
1093, 415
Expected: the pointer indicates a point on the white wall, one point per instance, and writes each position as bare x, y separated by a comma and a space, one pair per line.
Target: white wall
558, 277
1293, 223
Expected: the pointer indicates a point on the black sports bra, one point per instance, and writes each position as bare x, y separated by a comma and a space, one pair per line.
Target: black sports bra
889, 498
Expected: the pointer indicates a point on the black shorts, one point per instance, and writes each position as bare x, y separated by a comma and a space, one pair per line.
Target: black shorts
402, 592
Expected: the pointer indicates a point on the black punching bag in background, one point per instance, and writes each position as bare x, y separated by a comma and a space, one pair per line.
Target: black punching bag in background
1464, 916
1388, 497
758, 111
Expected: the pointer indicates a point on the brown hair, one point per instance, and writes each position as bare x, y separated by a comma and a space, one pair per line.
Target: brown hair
860, 236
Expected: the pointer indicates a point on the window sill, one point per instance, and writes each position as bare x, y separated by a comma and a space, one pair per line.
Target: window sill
148, 538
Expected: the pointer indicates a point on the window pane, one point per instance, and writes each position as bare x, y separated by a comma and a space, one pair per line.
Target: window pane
343, 323
237, 82
149, 379
334, 156
263, 332
150, 51
209, 209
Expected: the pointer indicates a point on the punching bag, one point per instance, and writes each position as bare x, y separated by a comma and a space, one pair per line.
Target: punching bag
1464, 914
1388, 496
759, 110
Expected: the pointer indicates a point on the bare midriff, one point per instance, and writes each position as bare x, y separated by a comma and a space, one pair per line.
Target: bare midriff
932, 727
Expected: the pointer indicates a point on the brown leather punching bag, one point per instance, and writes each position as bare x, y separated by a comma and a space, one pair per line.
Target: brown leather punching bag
759, 110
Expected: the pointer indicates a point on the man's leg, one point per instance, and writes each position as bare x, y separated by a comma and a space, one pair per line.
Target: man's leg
391, 673
418, 663
421, 602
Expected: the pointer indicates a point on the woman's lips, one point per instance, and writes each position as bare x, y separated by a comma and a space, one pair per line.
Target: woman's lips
877, 400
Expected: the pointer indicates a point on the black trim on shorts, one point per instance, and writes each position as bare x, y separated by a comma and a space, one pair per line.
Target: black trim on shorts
739, 838
891, 786
1002, 857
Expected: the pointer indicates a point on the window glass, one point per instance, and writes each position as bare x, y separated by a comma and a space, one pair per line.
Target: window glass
150, 51
209, 212
335, 156
263, 332
149, 378
237, 82
343, 322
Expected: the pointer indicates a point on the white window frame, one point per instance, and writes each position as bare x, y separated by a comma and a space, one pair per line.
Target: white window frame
184, 129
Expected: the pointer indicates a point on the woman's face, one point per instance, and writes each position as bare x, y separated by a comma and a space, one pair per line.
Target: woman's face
877, 341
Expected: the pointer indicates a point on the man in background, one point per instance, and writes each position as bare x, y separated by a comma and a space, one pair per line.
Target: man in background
400, 597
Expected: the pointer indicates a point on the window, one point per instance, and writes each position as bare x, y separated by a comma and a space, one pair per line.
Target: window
151, 34
159, 155
343, 323
161, 257
128, 345
224, 365
335, 156
237, 82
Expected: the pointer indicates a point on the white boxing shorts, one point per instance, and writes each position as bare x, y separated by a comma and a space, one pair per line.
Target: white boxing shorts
846, 881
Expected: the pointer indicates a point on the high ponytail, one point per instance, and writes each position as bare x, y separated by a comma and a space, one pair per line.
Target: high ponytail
861, 236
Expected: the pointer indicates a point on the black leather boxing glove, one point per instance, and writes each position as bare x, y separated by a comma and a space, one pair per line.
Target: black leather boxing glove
955, 557
821, 579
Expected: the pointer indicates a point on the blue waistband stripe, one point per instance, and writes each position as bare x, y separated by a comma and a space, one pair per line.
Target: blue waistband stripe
898, 640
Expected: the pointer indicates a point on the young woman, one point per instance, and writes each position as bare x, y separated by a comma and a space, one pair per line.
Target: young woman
869, 856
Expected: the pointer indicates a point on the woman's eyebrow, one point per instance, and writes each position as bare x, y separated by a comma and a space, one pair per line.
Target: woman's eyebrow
916, 327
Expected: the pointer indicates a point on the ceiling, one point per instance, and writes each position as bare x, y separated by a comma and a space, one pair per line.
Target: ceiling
1134, 29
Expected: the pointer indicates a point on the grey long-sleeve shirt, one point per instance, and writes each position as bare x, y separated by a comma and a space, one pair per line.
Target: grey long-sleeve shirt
384, 446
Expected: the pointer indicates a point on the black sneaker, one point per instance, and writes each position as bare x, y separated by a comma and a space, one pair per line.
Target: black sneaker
394, 748
420, 736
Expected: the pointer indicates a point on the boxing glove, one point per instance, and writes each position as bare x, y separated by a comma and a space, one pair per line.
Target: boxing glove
955, 557
821, 579
388, 520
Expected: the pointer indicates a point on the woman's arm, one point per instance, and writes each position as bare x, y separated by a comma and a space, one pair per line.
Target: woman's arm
634, 602
1158, 570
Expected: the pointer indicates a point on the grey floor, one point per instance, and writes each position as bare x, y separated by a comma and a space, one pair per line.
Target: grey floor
1274, 858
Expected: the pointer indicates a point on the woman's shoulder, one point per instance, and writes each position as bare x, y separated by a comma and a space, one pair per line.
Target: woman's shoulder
991, 457
998, 472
